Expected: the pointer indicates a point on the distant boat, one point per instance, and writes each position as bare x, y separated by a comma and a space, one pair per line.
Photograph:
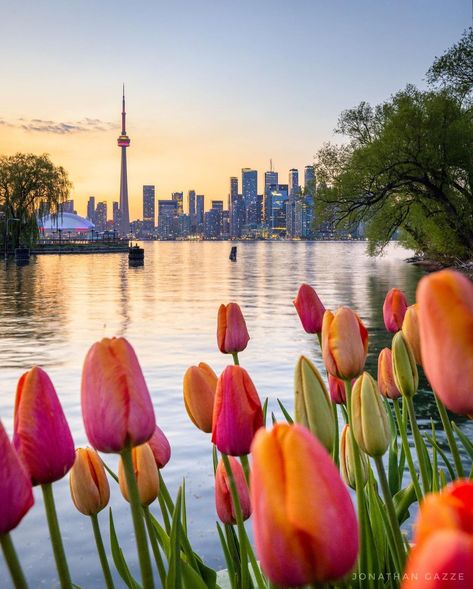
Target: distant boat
233, 254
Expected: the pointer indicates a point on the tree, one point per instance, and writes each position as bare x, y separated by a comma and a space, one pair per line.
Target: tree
407, 166
455, 67
26, 181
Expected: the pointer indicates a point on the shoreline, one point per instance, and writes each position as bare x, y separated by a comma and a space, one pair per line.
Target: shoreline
429, 265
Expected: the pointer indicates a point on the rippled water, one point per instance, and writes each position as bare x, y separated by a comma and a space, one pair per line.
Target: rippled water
52, 311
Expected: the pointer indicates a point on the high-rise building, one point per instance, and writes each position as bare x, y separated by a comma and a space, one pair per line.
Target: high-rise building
91, 209
309, 177
234, 209
149, 208
293, 206
167, 219
293, 183
308, 202
179, 198
101, 216
213, 220
249, 190
123, 142
270, 179
116, 214
192, 217
199, 213
67, 206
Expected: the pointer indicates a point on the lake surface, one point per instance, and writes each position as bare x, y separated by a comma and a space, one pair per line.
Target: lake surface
53, 310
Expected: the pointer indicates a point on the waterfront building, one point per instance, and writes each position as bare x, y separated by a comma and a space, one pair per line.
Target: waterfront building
64, 225
192, 216
116, 214
308, 202
149, 208
279, 201
293, 207
199, 213
270, 180
236, 208
67, 207
213, 221
179, 198
167, 219
101, 216
249, 190
91, 209
183, 226
124, 142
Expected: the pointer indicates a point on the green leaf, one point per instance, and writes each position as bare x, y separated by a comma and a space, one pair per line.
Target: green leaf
285, 412
403, 499
444, 456
119, 559
464, 440
226, 553
174, 578
265, 411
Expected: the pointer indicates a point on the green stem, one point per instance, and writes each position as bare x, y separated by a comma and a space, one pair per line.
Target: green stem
12, 561
101, 550
137, 515
399, 552
418, 444
154, 545
56, 540
246, 468
254, 564
447, 426
235, 358
335, 453
407, 451
245, 584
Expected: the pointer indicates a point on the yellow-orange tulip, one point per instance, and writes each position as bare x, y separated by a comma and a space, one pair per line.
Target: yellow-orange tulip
344, 343
88, 482
347, 459
386, 384
410, 329
146, 474
446, 333
200, 384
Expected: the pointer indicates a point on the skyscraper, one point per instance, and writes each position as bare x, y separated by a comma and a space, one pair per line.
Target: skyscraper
101, 216
116, 214
123, 142
270, 179
293, 206
191, 203
167, 219
249, 190
200, 211
91, 209
149, 207
232, 206
179, 198
308, 202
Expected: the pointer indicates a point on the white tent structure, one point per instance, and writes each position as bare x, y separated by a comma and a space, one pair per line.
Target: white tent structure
64, 223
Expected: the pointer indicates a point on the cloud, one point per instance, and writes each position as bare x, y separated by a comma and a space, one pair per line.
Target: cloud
60, 128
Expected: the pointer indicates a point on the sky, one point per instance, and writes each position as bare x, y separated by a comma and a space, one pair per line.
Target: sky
212, 86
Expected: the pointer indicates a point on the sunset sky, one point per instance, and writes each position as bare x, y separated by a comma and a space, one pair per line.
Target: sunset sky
212, 85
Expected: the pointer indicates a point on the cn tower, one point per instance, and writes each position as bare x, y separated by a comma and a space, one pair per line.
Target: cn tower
124, 142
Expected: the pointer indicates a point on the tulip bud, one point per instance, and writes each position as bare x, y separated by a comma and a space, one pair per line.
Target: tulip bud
116, 406
16, 492
160, 447
446, 326
410, 329
347, 459
200, 383
386, 385
344, 343
313, 408
336, 387
309, 308
405, 372
394, 309
232, 334
223, 497
237, 412
304, 522
370, 422
41, 435
88, 482
146, 473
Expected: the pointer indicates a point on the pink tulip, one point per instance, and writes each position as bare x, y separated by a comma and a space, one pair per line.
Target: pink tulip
394, 309
41, 435
223, 497
309, 308
16, 492
116, 405
232, 334
161, 448
336, 387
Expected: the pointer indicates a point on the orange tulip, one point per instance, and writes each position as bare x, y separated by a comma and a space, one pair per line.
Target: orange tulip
146, 474
446, 332
394, 309
161, 448
200, 383
304, 522
443, 542
344, 343
386, 385
223, 497
309, 308
410, 329
88, 482
232, 334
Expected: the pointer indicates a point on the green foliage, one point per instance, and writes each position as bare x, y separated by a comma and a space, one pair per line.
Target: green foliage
455, 67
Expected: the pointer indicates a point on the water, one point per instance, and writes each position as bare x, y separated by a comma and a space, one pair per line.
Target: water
53, 310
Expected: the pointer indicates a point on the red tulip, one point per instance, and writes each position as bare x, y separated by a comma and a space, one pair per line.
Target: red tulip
16, 492
394, 309
446, 332
41, 436
304, 521
237, 412
309, 308
223, 497
116, 405
336, 387
232, 334
160, 446
386, 385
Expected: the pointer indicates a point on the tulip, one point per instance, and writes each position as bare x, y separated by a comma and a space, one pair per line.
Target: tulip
309, 308
223, 498
16, 493
200, 383
336, 387
313, 408
386, 385
41, 436
370, 422
237, 412
394, 309
88, 482
304, 522
344, 343
146, 474
116, 405
406, 377
232, 334
410, 329
160, 447
446, 332
347, 460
